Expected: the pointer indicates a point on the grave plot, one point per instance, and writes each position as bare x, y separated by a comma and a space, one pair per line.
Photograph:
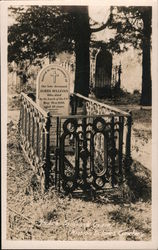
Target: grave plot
108, 205
93, 147
77, 145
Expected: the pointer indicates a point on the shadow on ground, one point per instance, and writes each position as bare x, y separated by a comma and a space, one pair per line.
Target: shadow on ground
136, 187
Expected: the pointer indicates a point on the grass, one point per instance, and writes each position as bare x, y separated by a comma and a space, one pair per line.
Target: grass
122, 214
122, 97
54, 216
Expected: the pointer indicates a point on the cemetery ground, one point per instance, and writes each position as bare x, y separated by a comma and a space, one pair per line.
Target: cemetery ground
123, 214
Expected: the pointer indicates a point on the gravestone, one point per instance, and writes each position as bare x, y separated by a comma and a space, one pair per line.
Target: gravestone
103, 74
53, 88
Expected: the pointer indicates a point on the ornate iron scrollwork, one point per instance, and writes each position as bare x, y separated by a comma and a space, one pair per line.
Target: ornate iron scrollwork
69, 162
88, 153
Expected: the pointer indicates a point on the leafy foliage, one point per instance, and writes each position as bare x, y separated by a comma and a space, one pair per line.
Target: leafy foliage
128, 25
45, 31
40, 31
49, 30
133, 27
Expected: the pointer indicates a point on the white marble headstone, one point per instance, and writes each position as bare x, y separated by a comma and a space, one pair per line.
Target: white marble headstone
53, 89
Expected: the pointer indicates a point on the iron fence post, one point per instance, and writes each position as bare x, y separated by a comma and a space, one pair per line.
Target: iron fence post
47, 169
121, 127
73, 102
57, 168
113, 150
128, 158
85, 150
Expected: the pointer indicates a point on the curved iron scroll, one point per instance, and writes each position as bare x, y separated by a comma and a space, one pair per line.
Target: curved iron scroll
88, 153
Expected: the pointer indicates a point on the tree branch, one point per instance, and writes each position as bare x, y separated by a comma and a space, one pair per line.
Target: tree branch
92, 30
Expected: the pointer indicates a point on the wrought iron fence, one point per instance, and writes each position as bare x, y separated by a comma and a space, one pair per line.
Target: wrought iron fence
34, 126
95, 108
93, 146
89, 149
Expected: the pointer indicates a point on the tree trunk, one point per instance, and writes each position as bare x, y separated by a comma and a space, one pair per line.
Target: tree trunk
146, 97
82, 41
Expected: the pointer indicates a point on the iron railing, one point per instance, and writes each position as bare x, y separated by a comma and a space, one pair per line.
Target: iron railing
90, 148
93, 146
34, 126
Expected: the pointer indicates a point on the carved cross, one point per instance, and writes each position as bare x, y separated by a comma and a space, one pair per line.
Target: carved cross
54, 76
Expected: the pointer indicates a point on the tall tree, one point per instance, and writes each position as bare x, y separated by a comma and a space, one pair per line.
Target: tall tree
82, 42
133, 27
146, 98
48, 30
